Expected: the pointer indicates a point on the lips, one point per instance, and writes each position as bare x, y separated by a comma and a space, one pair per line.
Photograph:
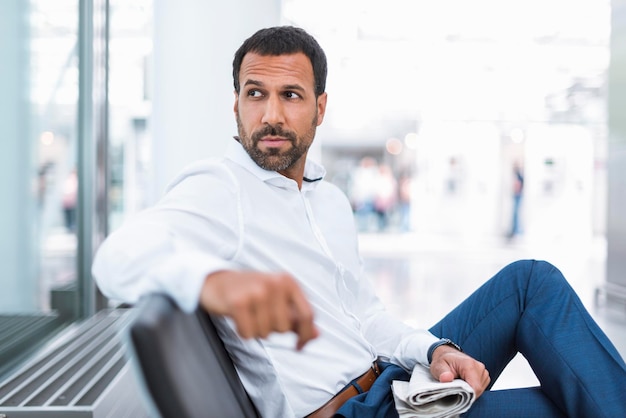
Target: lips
273, 141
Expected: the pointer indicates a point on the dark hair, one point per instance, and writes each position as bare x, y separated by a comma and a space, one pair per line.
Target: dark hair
282, 40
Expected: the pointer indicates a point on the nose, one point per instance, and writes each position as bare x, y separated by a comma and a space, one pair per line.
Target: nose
274, 111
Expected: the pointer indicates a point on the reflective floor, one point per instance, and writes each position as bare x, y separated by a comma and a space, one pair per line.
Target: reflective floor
421, 278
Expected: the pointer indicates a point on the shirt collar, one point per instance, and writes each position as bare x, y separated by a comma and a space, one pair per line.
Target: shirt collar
313, 172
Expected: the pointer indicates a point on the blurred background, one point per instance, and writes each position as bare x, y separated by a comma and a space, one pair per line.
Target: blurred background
466, 135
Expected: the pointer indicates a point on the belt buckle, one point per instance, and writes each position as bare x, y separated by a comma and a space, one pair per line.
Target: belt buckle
374, 368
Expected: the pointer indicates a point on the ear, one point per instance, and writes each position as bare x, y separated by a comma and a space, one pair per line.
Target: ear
236, 105
321, 107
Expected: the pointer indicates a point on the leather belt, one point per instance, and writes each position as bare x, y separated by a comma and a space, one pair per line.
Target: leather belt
363, 382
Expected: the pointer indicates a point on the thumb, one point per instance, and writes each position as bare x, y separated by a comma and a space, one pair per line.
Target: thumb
442, 371
446, 376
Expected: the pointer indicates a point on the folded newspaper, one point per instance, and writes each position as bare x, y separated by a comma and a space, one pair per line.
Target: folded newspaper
423, 396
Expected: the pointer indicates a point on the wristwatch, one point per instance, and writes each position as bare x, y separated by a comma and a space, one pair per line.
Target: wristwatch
443, 341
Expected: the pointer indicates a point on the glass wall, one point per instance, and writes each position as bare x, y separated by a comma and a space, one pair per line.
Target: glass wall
38, 156
73, 155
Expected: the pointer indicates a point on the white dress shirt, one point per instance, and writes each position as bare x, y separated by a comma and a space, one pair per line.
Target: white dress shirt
231, 214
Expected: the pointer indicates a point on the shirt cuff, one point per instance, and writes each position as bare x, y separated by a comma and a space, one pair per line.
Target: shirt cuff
413, 349
182, 277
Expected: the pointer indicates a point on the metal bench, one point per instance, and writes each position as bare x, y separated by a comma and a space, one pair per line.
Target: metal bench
83, 371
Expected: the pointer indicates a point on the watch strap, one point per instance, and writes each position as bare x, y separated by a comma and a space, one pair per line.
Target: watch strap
443, 341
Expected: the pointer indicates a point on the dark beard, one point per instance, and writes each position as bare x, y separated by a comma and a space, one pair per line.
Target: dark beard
274, 159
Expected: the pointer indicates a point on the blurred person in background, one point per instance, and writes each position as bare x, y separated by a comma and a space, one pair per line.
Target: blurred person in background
363, 192
518, 192
405, 197
70, 198
385, 195
260, 241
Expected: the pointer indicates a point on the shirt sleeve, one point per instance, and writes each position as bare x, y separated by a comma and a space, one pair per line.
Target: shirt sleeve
394, 340
170, 248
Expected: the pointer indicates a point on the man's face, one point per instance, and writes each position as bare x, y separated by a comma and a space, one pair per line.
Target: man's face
277, 111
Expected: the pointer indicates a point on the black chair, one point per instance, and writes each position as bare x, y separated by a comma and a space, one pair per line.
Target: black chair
182, 363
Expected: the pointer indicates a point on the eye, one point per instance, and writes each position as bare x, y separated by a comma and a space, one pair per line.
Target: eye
292, 95
254, 93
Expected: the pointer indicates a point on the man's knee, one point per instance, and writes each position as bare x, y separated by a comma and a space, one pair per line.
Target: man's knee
531, 274
533, 269
541, 276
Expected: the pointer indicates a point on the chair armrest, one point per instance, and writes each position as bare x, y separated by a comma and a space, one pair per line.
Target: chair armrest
182, 363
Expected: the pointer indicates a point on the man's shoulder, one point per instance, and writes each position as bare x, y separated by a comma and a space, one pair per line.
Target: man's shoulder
202, 166
331, 191
329, 187
213, 167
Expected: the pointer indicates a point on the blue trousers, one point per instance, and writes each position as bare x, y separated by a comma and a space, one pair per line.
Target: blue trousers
528, 307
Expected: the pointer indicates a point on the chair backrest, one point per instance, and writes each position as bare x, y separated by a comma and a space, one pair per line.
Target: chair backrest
183, 364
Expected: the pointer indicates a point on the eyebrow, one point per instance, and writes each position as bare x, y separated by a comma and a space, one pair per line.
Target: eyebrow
253, 82
285, 87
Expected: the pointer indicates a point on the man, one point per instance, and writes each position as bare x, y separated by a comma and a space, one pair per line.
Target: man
264, 244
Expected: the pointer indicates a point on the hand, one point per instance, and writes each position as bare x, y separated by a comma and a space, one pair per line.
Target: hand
260, 303
449, 363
